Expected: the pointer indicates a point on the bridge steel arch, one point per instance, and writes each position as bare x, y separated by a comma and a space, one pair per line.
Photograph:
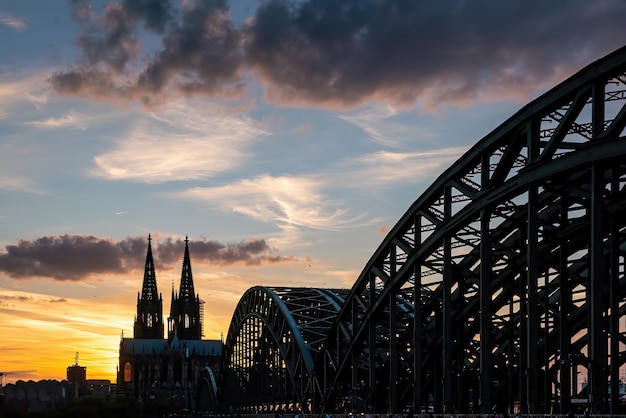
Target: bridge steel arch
512, 263
274, 339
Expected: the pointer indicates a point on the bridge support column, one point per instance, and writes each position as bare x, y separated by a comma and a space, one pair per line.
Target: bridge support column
418, 381
393, 355
533, 318
598, 354
486, 345
446, 311
565, 307
614, 277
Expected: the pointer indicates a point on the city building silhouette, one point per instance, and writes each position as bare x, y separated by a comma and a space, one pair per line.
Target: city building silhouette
181, 369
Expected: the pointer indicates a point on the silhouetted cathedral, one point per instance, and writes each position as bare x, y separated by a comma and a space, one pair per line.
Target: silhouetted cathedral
182, 369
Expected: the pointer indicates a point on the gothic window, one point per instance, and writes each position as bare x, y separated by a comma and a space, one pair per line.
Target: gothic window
149, 322
128, 372
187, 321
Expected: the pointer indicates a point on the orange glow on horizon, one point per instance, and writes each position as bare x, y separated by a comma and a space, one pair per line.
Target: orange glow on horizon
47, 322
46, 333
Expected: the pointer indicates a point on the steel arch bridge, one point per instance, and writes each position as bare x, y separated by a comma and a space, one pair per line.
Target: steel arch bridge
501, 288
269, 355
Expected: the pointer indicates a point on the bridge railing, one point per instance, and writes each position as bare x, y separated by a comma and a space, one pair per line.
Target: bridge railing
427, 415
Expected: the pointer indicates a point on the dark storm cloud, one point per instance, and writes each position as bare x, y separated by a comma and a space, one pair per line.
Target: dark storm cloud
346, 52
74, 257
248, 252
155, 13
342, 53
71, 257
201, 54
109, 39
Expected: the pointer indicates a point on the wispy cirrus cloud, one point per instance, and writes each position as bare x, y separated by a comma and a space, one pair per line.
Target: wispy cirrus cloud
284, 200
70, 120
180, 142
18, 183
383, 169
374, 120
7, 299
14, 156
295, 202
13, 22
25, 86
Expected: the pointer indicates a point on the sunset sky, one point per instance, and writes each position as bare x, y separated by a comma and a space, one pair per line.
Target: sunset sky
285, 138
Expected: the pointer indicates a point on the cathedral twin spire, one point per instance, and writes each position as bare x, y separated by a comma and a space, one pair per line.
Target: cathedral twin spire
149, 319
185, 320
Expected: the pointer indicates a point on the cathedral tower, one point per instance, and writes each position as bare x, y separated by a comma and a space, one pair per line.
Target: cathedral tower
149, 319
185, 321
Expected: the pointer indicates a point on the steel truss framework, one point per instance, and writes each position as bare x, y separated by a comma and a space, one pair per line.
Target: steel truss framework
514, 258
502, 287
274, 337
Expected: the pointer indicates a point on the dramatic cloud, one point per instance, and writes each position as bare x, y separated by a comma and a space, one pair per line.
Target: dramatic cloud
342, 54
199, 54
74, 258
71, 257
248, 252
155, 13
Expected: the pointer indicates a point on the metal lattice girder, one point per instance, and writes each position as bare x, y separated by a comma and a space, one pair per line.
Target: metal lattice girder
274, 338
511, 264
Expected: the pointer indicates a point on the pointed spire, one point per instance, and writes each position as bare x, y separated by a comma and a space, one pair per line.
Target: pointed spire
185, 320
149, 319
149, 289
173, 300
186, 291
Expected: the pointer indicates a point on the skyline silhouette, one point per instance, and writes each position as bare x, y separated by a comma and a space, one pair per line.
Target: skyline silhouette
283, 138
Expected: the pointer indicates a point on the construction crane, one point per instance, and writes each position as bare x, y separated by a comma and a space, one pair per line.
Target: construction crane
2, 374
